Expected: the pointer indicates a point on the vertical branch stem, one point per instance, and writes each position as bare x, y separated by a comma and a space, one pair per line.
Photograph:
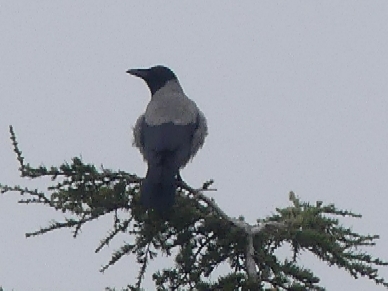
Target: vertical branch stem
250, 262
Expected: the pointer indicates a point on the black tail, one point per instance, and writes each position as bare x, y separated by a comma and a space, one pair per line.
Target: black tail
159, 187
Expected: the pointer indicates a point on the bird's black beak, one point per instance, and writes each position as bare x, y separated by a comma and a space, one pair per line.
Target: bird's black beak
141, 73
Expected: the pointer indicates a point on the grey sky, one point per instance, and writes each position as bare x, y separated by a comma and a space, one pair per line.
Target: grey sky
295, 93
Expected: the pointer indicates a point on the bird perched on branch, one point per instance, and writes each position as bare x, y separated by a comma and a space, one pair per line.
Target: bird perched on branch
168, 135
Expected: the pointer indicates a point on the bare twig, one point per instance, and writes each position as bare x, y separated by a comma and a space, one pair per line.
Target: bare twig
250, 230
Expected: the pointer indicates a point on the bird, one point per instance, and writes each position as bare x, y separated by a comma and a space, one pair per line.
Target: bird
168, 135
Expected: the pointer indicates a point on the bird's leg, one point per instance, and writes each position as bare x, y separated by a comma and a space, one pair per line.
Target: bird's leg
179, 181
179, 177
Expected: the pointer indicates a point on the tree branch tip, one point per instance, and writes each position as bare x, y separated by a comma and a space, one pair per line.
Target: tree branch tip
206, 190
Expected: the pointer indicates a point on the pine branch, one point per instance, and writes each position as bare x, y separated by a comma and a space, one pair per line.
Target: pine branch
199, 232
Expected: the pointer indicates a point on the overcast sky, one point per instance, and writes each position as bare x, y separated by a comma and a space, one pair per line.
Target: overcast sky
295, 92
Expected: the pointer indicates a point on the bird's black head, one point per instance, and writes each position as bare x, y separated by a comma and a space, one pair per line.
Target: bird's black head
155, 77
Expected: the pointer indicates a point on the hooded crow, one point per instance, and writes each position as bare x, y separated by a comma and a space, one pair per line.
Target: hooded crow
168, 135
